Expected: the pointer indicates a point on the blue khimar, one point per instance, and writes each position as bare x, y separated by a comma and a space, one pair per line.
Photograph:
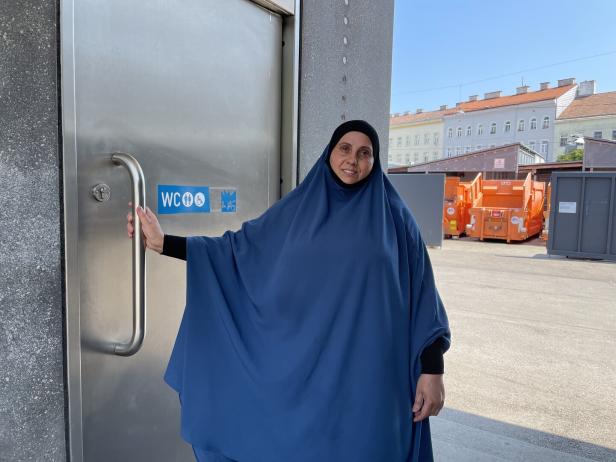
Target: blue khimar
302, 332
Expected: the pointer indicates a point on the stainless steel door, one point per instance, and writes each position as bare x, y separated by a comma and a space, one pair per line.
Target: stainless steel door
192, 90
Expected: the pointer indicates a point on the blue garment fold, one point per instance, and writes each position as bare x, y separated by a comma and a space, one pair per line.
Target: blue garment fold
302, 332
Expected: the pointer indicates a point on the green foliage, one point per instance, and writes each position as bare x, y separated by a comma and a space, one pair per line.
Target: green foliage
576, 154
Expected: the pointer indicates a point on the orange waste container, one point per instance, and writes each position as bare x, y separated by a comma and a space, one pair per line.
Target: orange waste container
511, 210
460, 197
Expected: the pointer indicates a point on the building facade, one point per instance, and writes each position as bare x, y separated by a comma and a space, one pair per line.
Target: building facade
526, 117
500, 162
416, 138
588, 116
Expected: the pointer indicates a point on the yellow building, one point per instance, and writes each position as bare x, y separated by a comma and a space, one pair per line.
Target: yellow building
591, 116
416, 138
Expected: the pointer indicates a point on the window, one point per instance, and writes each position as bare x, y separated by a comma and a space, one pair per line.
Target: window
416, 157
450, 133
458, 150
532, 145
533, 124
563, 140
449, 150
492, 146
426, 138
507, 127
459, 132
546, 122
426, 157
434, 155
597, 135
408, 140
544, 147
416, 140
435, 138
467, 149
480, 129
399, 143
469, 130
614, 134
493, 128
521, 125
478, 147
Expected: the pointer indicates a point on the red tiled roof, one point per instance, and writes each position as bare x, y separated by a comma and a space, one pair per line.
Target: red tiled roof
591, 106
421, 117
511, 100
469, 106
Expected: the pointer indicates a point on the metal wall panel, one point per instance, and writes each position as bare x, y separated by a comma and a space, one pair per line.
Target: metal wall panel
424, 195
599, 154
194, 94
583, 215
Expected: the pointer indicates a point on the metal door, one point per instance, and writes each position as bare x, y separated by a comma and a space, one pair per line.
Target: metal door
583, 215
191, 90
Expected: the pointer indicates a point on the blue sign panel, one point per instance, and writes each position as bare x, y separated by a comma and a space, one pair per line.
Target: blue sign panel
183, 199
227, 201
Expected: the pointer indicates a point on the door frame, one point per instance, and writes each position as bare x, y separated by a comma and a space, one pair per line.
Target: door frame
290, 11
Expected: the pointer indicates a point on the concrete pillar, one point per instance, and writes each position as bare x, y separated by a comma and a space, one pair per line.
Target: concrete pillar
345, 71
31, 292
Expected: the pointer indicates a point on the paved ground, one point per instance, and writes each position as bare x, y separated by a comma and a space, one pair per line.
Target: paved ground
531, 375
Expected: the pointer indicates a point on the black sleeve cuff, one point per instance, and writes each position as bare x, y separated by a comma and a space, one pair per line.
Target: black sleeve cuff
432, 358
174, 246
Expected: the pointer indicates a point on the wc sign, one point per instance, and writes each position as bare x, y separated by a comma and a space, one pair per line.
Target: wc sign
195, 199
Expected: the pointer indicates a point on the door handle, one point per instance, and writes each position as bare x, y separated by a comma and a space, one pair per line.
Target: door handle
138, 256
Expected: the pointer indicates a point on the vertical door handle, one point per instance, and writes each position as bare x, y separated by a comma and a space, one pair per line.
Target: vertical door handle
138, 256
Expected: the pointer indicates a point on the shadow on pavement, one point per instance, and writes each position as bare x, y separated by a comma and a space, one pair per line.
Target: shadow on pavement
462, 437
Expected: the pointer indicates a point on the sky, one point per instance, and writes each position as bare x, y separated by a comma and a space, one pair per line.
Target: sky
446, 50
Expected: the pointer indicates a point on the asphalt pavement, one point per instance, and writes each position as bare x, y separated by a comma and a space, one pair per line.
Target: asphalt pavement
531, 375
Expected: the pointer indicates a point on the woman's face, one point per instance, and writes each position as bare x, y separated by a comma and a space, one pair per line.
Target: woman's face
352, 159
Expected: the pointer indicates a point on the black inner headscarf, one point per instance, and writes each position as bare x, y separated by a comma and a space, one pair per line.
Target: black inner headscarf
354, 126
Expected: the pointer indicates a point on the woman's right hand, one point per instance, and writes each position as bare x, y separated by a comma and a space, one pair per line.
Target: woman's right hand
153, 235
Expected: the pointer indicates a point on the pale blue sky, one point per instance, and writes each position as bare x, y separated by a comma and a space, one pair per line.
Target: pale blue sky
440, 44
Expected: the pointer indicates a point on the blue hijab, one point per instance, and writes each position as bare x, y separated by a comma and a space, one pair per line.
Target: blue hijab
302, 332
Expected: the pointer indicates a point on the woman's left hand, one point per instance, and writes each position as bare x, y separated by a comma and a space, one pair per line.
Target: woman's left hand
430, 396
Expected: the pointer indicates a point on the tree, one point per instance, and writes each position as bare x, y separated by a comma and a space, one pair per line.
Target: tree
576, 154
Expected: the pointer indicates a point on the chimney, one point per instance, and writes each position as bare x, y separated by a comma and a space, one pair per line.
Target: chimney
587, 88
406, 112
459, 104
473, 98
544, 86
563, 82
521, 90
443, 107
492, 95
419, 111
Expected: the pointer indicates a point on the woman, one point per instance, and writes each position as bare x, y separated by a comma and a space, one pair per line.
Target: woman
315, 332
